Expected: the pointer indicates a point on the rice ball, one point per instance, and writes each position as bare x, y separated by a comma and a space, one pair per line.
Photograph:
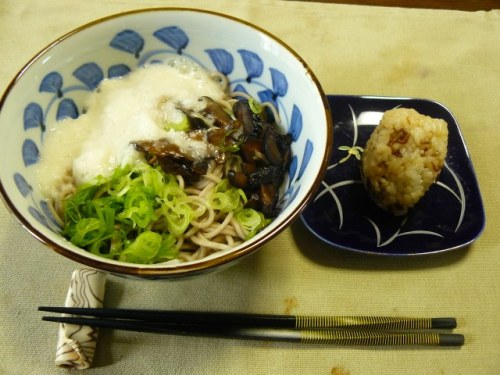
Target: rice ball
403, 158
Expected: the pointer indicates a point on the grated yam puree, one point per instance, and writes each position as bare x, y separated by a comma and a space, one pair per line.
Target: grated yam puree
122, 110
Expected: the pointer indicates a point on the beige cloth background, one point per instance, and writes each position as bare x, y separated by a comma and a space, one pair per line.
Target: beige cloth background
449, 56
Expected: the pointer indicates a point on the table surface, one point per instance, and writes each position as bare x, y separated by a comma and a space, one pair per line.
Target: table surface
449, 56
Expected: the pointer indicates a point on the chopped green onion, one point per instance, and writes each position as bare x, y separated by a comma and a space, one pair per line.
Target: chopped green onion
227, 198
168, 250
139, 214
252, 221
138, 207
143, 250
255, 106
181, 125
178, 218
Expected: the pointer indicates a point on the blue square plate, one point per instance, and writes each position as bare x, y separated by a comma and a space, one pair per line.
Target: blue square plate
450, 216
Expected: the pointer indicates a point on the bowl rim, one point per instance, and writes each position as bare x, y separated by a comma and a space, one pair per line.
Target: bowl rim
188, 268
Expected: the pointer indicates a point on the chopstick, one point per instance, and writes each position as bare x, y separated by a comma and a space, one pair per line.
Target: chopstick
336, 337
338, 330
262, 320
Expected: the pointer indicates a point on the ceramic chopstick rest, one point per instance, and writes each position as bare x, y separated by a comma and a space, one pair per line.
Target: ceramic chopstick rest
76, 344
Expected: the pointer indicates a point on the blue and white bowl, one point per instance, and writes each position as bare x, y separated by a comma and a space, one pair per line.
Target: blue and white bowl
53, 85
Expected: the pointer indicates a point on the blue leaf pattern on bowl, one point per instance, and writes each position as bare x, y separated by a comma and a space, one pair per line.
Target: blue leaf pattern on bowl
293, 168
89, 74
295, 123
306, 157
41, 211
253, 64
128, 41
52, 83
240, 88
267, 96
30, 152
280, 84
119, 70
131, 42
44, 205
66, 109
33, 117
222, 60
292, 194
38, 216
22, 185
174, 37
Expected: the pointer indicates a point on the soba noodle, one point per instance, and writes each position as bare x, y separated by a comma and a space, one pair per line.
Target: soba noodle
212, 231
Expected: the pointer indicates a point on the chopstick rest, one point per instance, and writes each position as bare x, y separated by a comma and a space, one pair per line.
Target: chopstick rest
76, 343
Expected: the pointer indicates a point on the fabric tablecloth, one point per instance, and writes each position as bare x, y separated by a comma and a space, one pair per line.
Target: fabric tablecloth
449, 56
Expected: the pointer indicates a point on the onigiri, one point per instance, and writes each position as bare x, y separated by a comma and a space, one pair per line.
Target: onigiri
403, 158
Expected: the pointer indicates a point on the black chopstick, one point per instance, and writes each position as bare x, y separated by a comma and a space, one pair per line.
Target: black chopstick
262, 320
335, 337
